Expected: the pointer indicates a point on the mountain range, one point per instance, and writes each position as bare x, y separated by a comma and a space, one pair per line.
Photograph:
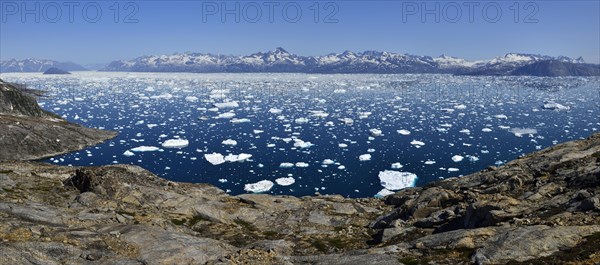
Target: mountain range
37, 65
282, 61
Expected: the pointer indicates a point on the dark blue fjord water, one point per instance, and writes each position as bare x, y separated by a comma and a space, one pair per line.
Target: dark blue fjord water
432, 126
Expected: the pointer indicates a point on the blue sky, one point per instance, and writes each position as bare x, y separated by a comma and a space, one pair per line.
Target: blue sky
570, 28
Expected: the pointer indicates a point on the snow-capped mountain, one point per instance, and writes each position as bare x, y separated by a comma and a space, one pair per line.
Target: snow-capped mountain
37, 65
280, 60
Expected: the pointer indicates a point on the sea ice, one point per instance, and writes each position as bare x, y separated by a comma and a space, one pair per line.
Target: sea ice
128, 153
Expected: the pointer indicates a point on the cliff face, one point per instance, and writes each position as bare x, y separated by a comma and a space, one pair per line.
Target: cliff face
27, 132
542, 208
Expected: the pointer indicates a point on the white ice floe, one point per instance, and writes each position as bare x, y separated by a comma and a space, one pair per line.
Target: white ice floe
258, 187
225, 105
301, 164
237, 158
285, 181
452, 169
465, 131
302, 144
226, 115
328, 162
397, 165
501, 116
145, 149
396, 180
429, 162
555, 106
375, 132
274, 111
342, 145
519, 132
214, 158
191, 99
229, 142
365, 157
457, 158
301, 120
175, 143
286, 165
237, 121
383, 192
128, 153
417, 143
486, 130
460, 106
257, 131
403, 132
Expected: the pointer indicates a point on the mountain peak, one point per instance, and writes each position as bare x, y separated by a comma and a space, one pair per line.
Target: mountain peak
280, 50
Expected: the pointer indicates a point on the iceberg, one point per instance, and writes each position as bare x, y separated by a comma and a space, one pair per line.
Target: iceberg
396, 180
403, 132
226, 115
175, 143
397, 165
417, 144
237, 158
375, 132
236, 121
285, 181
214, 158
555, 106
128, 153
286, 165
384, 192
224, 105
301, 164
519, 132
258, 187
229, 142
145, 149
365, 157
457, 158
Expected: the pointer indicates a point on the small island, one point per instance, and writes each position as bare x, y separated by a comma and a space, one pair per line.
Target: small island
56, 71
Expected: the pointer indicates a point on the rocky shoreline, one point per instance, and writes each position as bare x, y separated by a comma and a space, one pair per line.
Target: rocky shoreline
543, 208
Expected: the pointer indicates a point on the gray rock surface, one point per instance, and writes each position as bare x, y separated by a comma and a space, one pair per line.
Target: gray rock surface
27, 132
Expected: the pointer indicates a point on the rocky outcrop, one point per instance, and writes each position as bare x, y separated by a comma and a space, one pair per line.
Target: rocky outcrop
538, 209
27, 132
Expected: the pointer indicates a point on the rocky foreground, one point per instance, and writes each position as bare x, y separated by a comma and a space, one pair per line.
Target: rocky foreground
543, 208
27, 132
